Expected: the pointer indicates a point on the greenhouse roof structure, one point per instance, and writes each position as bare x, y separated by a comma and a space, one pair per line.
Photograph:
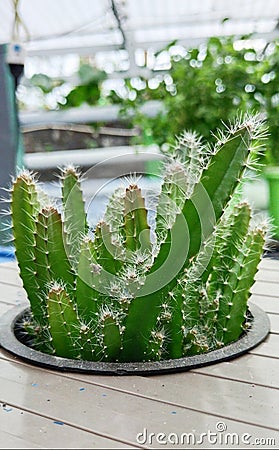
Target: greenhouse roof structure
86, 27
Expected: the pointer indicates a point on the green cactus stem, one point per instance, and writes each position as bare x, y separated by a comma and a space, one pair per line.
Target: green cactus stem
58, 261
63, 322
111, 333
214, 189
130, 292
24, 209
236, 317
137, 230
107, 254
230, 235
208, 201
88, 271
75, 222
114, 215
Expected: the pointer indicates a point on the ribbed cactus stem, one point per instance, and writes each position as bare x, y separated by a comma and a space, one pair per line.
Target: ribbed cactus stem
87, 281
115, 213
111, 341
230, 236
212, 192
236, 317
74, 212
87, 342
24, 208
63, 322
191, 296
156, 347
58, 261
196, 341
175, 189
207, 202
137, 230
125, 294
41, 258
107, 254
217, 184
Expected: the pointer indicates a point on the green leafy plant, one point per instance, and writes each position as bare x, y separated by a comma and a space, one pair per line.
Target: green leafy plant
267, 93
203, 84
129, 291
206, 83
88, 90
59, 93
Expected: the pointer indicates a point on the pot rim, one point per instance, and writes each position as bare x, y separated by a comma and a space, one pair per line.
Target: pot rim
258, 331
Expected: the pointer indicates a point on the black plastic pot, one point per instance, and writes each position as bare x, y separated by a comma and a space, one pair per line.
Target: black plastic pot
10, 330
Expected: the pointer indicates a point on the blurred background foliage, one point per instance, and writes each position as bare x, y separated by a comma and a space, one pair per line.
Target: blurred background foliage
210, 83
202, 86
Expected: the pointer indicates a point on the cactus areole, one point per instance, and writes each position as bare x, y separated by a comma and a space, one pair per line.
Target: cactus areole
126, 291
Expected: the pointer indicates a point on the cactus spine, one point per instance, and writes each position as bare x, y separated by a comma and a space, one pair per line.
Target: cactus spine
123, 296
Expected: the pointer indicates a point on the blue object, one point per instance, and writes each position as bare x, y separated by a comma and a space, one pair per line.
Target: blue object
7, 254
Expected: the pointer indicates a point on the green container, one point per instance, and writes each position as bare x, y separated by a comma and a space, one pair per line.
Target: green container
272, 176
11, 144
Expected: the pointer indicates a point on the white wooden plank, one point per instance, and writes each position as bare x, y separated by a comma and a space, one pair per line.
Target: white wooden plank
7, 440
193, 390
121, 407
269, 263
12, 294
248, 368
22, 429
270, 347
12, 265
265, 288
274, 323
267, 304
143, 404
10, 276
75, 401
238, 401
268, 275
4, 307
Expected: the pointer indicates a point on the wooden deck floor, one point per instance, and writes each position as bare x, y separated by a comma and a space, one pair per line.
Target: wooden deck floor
40, 408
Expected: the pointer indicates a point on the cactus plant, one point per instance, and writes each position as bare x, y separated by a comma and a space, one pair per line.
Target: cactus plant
129, 291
